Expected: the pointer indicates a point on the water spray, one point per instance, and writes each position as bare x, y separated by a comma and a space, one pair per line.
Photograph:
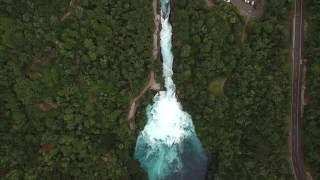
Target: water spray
168, 147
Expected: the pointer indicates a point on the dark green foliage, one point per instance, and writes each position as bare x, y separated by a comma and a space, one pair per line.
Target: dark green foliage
311, 111
65, 87
248, 125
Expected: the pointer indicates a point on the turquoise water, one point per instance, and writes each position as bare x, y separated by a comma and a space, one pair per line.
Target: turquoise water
168, 147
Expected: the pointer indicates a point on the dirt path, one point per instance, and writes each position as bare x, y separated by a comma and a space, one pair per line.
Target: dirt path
210, 3
151, 83
72, 8
156, 21
248, 10
244, 33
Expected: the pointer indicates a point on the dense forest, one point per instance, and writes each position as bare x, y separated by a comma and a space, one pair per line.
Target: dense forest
312, 99
233, 76
68, 71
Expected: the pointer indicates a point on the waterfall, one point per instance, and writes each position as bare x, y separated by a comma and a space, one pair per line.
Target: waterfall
168, 147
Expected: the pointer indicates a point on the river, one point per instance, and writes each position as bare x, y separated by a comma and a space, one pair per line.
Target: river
168, 147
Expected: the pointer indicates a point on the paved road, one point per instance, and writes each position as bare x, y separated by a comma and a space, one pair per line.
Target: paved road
296, 129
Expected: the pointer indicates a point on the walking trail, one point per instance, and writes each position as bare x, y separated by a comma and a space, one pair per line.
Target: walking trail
151, 83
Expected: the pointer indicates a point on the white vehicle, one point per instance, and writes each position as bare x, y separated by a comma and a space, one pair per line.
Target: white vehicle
250, 2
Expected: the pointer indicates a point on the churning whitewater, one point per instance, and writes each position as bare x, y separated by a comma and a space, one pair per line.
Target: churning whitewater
168, 147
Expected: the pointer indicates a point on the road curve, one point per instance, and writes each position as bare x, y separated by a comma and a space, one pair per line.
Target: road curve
297, 68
